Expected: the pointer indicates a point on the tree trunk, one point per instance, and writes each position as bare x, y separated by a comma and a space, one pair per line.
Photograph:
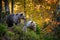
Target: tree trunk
0, 9
12, 8
7, 7
25, 6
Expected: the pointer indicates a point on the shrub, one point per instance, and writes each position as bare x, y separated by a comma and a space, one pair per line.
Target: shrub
29, 35
10, 35
3, 29
38, 29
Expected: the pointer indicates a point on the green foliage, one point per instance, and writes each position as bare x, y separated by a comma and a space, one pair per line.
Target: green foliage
38, 29
3, 29
29, 35
18, 34
10, 35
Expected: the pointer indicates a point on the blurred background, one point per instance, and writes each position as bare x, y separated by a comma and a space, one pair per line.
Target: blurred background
46, 13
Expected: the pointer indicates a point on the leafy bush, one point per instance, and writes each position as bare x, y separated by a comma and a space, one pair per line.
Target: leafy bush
3, 29
18, 34
29, 35
10, 35
38, 29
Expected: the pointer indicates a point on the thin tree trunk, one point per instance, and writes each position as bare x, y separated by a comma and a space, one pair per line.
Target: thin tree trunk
7, 7
25, 6
12, 8
0, 9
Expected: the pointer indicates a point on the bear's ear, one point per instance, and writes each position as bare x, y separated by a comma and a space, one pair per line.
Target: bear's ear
17, 14
21, 14
31, 21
